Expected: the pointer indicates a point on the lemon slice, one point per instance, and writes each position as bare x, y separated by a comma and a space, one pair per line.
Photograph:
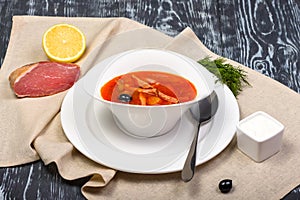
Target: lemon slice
64, 43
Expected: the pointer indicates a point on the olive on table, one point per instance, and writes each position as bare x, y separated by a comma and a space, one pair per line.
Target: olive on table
225, 185
125, 98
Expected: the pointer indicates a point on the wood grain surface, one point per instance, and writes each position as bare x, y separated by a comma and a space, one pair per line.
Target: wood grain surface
263, 35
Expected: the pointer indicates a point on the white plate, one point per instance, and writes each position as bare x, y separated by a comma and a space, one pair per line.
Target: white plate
91, 129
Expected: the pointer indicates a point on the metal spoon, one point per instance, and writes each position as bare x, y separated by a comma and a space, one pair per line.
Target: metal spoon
207, 109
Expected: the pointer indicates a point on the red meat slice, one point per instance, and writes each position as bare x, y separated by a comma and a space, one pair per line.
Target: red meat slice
43, 78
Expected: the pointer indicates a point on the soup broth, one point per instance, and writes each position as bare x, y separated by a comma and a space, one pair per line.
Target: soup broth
148, 88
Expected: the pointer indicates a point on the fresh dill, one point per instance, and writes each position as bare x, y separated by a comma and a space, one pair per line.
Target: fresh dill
234, 77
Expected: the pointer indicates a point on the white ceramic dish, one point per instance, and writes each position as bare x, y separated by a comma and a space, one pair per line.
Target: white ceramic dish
259, 136
91, 129
148, 121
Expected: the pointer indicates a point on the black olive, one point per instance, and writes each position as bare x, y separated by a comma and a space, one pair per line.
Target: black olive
125, 98
225, 185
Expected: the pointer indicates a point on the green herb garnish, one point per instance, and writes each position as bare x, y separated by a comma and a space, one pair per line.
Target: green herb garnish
233, 77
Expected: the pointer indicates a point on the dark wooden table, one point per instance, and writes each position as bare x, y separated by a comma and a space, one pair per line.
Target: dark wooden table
263, 35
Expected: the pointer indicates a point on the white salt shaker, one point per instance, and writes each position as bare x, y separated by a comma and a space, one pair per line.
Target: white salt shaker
259, 136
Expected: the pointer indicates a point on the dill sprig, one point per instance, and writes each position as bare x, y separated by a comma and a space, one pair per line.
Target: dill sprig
234, 77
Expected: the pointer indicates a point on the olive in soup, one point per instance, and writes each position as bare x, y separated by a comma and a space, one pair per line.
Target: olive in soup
148, 88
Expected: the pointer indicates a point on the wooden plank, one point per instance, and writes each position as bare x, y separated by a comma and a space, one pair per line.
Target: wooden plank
267, 39
35, 181
171, 17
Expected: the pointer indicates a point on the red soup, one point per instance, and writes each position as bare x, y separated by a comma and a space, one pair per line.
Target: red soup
148, 88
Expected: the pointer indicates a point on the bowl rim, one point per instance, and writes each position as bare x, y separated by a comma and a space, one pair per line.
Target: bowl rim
193, 101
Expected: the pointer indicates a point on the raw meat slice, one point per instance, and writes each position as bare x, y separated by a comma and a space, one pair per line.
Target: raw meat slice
43, 78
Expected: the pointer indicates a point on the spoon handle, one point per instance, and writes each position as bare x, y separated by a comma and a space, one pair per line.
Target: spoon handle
187, 172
